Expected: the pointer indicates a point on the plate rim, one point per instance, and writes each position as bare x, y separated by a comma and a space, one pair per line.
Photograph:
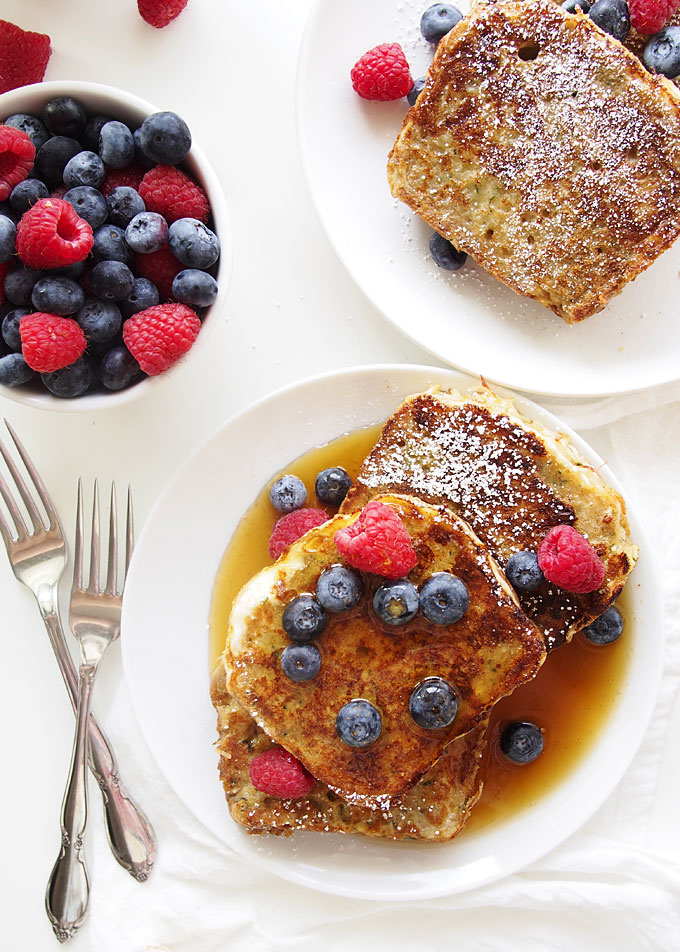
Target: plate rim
306, 876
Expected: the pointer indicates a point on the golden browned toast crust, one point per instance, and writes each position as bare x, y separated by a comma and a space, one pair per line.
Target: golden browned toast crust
486, 654
543, 148
511, 480
434, 809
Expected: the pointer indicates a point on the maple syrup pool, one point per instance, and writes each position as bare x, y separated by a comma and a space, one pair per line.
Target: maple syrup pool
570, 698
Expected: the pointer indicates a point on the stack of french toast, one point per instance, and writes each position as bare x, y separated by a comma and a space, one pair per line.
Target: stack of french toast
473, 481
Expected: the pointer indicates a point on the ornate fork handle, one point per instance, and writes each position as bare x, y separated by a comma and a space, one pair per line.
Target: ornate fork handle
130, 834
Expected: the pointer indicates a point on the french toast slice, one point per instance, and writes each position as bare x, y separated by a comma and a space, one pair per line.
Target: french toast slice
512, 480
542, 147
483, 656
434, 809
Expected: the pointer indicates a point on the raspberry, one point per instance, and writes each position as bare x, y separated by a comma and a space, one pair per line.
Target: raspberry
17, 153
130, 176
160, 267
292, 527
159, 13
171, 193
23, 56
278, 774
52, 235
377, 542
569, 561
49, 342
160, 335
382, 73
648, 16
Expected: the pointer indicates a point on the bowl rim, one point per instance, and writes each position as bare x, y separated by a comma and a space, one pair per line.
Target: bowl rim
201, 168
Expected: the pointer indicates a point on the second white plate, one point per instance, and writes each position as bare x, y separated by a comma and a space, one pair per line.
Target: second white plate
165, 650
466, 318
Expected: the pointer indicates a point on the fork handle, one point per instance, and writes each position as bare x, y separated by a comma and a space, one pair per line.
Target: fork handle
130, 834
68, 889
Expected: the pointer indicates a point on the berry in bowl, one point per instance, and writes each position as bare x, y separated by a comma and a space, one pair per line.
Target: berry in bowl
114, 245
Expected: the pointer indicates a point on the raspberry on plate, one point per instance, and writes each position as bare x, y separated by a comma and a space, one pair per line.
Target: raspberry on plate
377, 542
382, 73
50, 342
160, 335
569, 561
648, 16
52, 235
159, 13
279, 774
23, 56
170, 192
17, 153
160, 267
292, 526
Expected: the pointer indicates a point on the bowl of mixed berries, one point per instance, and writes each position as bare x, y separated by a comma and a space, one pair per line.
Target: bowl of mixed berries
114, 245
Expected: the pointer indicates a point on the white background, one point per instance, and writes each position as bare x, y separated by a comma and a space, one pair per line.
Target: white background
228, 66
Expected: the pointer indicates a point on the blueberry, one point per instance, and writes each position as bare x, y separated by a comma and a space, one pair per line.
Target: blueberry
14, 371
358, 723
119, 369
90, 136
124, 203
438, 20
8, 234
433, 704
193, 243
416, 90
304, 619
194, 287
144, 294
521, 742
26, 194
57, 295
605, 629
332, 485
71, 381
36, 130
443, 598
10, 328
523, 573
52, 157
662, 52
110, 244
164, 138
111, 280
444, 254
19, 285
89, 204
612, 16
75, 270
140, 155
100, 320
64, 116
147, 232
8, 212
571, 6
116, 145
85, 168
396, 602
301, 662
288, 493
339, 589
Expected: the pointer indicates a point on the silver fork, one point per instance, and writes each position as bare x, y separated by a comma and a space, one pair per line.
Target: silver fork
94, 617
37, 554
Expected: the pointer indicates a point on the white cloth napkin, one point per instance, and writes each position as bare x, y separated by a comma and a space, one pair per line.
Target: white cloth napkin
613, 885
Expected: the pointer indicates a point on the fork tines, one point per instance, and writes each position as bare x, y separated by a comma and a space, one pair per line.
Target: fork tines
21, 529
111, 584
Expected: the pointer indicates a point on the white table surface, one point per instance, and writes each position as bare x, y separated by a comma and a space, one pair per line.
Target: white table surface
229, 67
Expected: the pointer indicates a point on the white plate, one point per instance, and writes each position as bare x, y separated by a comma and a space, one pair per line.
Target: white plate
466, 318
165, 649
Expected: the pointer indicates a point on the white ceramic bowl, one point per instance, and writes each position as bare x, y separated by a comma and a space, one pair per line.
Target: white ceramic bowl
106, 100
